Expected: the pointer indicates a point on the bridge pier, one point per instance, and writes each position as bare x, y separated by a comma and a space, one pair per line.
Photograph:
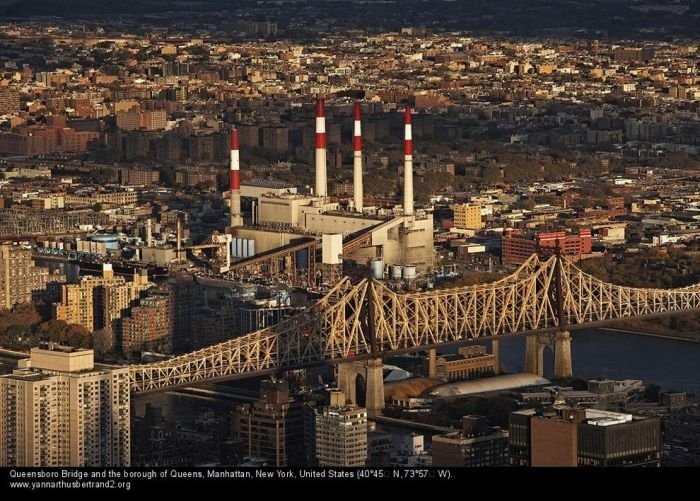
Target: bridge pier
432, 363
563, 368
345, 378
372, 372
534, 355
496, 351
374, 400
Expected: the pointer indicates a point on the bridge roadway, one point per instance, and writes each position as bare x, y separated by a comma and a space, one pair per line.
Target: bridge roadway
366, 321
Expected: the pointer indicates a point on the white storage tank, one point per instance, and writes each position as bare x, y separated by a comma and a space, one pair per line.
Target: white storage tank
396, 272
376, 268
409, 272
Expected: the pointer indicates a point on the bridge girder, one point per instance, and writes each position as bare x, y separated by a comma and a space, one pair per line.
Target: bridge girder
367, 320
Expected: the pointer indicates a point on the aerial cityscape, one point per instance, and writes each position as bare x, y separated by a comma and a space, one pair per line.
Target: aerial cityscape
298, 236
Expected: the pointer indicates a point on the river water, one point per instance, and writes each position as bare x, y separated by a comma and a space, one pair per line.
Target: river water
669, 363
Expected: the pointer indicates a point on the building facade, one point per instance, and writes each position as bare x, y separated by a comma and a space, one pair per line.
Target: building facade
475, 445
467, 217
468, 363
58, 410
518, 245
148, 327
20, 280
272, 428
567, 436
96, 302
341, 436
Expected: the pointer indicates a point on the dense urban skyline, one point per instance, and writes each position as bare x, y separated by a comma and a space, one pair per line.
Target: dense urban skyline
323, 234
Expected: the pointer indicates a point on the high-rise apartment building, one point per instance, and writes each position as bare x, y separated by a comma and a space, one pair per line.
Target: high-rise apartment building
341, 434
148, 326
275, 138
58, 410
20, 280
96, 302
272, 428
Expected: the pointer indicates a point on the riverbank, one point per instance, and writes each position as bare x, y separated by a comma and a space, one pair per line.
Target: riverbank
663, 335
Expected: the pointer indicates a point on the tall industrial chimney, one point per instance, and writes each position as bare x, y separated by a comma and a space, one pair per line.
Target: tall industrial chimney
357, 161
235, 182
321, 181
149, 233
407, 164
178, 236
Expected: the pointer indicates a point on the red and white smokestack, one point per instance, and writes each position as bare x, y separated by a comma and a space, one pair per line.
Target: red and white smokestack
321, 180
357, 161
407, 164
235, 182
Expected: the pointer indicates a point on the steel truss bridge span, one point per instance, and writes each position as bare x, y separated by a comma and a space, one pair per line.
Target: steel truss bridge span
368, 320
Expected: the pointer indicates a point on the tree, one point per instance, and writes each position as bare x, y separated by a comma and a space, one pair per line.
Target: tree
527, 204
26, 314
16, 336
77, 336
102, 343
51, 330
651, 393
491, 175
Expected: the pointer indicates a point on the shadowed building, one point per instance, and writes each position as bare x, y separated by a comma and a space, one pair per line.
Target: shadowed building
476, 445
272, 428
566, 436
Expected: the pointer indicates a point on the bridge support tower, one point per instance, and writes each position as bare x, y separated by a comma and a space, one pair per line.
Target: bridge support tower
496, 351
372, 372
534, 355
432, 363
563, 367
560, 343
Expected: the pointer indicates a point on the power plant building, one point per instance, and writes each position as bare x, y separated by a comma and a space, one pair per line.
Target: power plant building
400, 237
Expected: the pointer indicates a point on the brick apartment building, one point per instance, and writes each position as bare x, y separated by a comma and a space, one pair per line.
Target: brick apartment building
519, 245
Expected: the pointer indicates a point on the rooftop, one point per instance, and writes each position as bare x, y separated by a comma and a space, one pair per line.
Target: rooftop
496, 383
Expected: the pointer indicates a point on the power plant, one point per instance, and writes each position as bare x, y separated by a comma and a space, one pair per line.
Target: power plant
321, 178
357, 191
235, 181
407, 164
399, 237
